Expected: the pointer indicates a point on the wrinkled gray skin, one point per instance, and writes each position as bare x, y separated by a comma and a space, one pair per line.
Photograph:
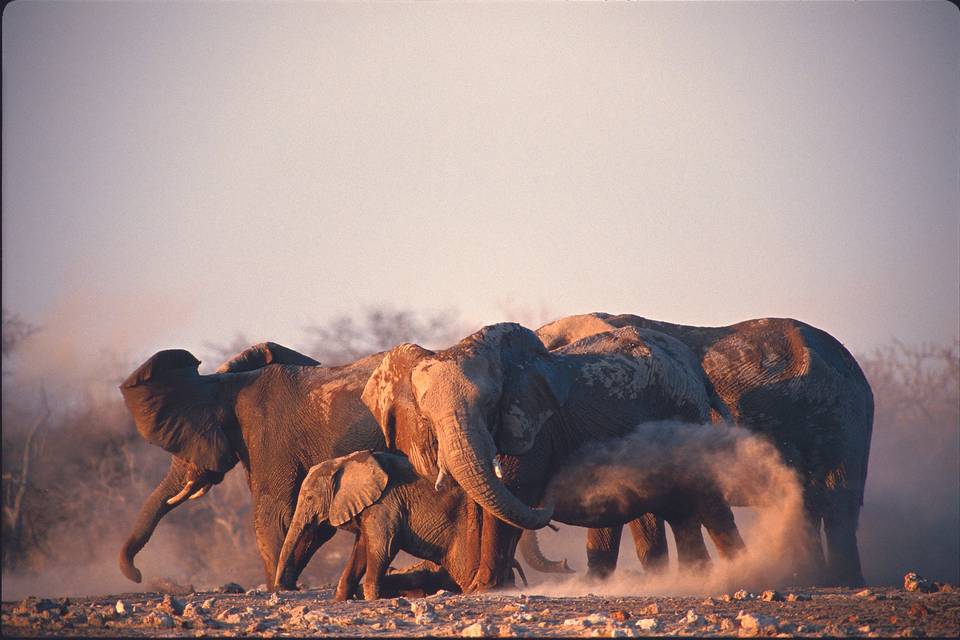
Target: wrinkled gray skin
500, 393
784, 379
381, 498
271, 409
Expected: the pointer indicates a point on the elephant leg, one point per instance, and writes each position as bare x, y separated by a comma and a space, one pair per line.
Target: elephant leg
813, 566
691, 551
650, 542
843, 557
270, 535
381, 544
603, 548
717, 518
354, 569
498, 541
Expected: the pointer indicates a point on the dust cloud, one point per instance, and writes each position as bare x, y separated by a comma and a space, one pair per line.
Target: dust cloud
657, 457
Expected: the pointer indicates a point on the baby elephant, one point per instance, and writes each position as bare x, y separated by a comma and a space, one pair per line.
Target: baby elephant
380, 497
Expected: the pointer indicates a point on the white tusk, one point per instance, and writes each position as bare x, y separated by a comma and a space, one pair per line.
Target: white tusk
497, 469
183, 493
441, 479
199, 494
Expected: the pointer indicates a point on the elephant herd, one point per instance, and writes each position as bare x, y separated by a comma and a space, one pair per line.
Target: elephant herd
456, 456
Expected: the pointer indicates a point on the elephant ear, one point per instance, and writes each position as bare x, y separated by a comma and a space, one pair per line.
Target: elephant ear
564, 331
358, 481
177, 409
162, 364
390, 396
533, 392
263, 354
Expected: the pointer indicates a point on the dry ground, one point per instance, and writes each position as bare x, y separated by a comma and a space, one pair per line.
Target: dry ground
878, 611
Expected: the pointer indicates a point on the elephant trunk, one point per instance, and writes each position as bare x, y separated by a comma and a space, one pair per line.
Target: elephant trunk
469, 451
285, 568
529, 548
153, 509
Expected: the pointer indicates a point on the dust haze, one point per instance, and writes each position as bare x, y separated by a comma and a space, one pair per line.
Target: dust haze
746, 468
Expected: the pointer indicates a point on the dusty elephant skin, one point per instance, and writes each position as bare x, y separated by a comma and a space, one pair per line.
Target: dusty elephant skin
382, 499
499, 405
782, 378
273, 410
884, 612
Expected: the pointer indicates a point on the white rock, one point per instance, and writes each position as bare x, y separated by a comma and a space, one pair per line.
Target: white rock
692, 617
476, 630
647, 624
122, 608
756, 621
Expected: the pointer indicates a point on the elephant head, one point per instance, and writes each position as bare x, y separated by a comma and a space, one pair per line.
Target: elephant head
451, 412
336, 491
192, 417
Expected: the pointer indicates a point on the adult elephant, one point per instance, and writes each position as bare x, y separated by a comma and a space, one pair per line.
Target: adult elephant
273, 410
499, 404
789, 381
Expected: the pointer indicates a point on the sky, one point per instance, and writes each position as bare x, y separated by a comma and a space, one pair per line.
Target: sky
178, 173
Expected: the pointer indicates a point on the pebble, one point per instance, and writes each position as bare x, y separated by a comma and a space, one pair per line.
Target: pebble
915, 582
743, 595
122, 608
771, 596
231, 587
647, 624
170, 606
756, 621
476, 630
692, 617
797, 597
650, 610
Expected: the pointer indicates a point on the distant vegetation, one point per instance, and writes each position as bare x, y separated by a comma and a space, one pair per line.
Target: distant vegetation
74, 475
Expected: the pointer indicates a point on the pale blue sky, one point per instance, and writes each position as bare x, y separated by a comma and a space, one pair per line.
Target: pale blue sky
174, 173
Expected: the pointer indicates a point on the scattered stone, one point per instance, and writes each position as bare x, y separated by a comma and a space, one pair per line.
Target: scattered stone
726, 624
230, 587
620, 615
170, 606
797, 597
400, 602
420, 607
915, 582
771, 596
190, 611
650, 610
159, 620
919, 610
443, 593
165, 585
863, 594
208, 603
647, 624
622, 632
274, 599
122, 608
692, 617
946, 587
756, 621
743, 595
476, 630
709, 601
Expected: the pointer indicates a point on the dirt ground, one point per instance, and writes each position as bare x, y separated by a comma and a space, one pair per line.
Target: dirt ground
874, 612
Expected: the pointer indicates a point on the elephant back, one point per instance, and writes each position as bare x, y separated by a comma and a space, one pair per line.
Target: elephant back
263, 354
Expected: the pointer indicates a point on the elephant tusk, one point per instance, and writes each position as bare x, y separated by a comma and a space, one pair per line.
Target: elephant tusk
183, 493
497, 469
200, 493
553, 526
442, 477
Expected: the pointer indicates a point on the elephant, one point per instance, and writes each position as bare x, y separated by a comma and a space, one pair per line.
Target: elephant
499, 405
273, 410
794, 384
684, 473
381, 498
